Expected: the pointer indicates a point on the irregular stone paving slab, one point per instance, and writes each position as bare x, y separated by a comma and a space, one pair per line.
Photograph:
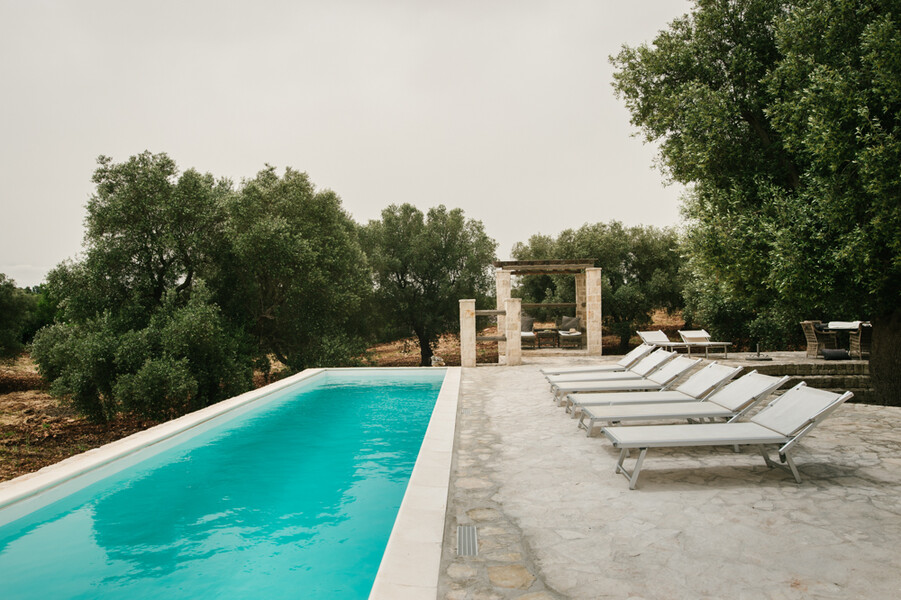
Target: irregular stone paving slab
504, 567
703, 523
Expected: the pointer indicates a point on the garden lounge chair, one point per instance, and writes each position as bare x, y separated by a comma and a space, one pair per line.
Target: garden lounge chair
570, 332
622, 364
698, 338
700, 384
527, 335
861, 340
817, 340
782, 423
640, 370
658, 380
730, 402
659, 339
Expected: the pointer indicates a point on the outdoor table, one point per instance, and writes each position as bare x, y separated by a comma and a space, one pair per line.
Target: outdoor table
547, 333
840, 328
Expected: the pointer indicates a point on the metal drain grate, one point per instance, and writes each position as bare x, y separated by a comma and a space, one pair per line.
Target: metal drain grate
467, 541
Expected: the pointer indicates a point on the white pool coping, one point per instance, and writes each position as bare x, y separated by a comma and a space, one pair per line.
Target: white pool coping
411, 564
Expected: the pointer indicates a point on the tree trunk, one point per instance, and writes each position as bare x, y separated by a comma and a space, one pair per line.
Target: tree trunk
425, 350
885, 359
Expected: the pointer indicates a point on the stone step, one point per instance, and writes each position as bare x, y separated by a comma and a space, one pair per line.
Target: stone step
864, 395
832, 382
856, 367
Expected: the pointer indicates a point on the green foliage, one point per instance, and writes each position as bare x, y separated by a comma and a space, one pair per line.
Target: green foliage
140, 328
185, 359
294, 275
43, 311
784, 118
423, 265
79, 362
149, 230
640, 271
16, 308
137, 330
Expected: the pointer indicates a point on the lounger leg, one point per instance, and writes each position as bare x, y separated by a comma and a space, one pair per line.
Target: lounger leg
786, 458
636, 470
766, 457
581, 420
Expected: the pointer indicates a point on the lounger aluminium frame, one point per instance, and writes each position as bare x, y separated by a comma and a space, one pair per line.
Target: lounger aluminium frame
660, 379
731, 402
631, 358
782, 423
698, 385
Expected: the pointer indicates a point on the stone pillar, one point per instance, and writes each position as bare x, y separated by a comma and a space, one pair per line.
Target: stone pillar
504, 285
580, 297
468, 333
594, 322
513, 331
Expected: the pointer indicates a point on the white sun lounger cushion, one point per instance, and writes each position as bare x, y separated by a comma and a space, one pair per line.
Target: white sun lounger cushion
651, 362
794, 410
656, 410
623, 363
659, 406
590, 399
623, 385
737, 394
673, 370
705, 434
707, 379
592, 376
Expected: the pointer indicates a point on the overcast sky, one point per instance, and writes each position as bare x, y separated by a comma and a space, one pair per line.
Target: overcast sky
501, 108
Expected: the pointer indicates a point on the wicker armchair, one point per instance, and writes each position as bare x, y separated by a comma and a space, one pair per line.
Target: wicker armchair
861, 340
817, 340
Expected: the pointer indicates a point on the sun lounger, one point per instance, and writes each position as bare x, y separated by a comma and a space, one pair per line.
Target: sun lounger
698, 338
730, 402
634, 355
782, 423
692, 389
640, 370
659, 339
658, 380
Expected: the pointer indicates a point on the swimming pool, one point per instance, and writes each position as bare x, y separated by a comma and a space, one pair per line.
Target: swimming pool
291, 495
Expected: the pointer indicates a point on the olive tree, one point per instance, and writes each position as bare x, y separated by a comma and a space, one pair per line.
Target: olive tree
423, 264
16, 308
293, 274
783, 117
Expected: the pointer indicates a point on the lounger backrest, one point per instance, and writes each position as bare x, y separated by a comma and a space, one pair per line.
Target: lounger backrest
652, 361
673, 369
694, 336
792, 411
745, 390
707, 379
653, 337
634, 355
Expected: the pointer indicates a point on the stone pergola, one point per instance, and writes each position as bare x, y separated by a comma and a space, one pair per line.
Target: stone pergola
587, 306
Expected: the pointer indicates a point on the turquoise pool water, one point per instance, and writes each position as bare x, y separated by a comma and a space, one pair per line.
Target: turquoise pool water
293, 499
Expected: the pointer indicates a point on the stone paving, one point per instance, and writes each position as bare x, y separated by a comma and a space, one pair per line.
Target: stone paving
555, 521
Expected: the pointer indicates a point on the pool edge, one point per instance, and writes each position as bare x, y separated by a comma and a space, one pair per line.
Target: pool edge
411, 563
